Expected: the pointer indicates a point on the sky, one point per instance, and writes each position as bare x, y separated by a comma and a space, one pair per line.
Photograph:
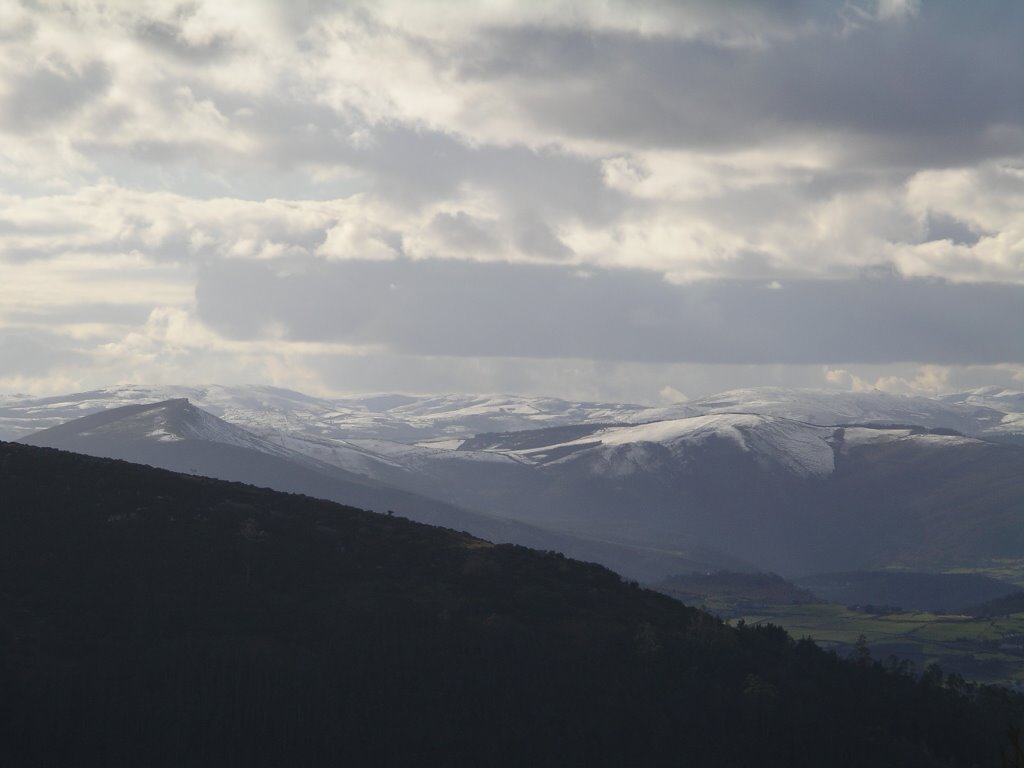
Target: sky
637, 200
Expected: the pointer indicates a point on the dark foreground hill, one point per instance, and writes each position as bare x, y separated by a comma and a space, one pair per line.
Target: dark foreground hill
149, 618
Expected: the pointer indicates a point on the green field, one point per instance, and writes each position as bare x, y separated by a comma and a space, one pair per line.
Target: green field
961, 644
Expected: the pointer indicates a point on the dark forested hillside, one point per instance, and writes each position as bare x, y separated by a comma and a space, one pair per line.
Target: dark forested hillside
149, 618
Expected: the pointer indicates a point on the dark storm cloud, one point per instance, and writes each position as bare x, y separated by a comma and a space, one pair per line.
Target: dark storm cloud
168, 37
536, 238
940, 227
45, 95
938, 88
494, 310
407, 164
465, 232
420, 166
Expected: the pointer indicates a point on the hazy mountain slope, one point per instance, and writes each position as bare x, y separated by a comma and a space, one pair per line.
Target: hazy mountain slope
789, 496
178, 436
928, 501
155, 619
715, 480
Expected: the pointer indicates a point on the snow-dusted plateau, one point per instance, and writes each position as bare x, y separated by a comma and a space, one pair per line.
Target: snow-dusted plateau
789, 480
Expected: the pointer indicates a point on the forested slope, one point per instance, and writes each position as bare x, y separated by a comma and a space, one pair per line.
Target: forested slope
149, 618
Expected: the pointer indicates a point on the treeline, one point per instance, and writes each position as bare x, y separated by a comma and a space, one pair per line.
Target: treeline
1000, 606
153, 619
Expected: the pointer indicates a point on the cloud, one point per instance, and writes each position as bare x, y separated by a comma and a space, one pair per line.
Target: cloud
186, 34
651, 186
925, 379
536, 238
495, 310
34, 352
897, 9
79, 315
946, 104
670, 394
465, 233
42, 96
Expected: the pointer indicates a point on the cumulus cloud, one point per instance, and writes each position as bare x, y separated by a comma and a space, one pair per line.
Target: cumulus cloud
48, 94
662, 184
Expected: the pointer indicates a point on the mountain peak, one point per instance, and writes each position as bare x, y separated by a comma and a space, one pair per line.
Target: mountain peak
172, 420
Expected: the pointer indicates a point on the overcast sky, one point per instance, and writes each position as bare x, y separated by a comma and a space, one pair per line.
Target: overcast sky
638, 200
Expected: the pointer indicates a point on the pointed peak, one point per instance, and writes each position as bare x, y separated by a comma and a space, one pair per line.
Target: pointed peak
171, 420
177, 405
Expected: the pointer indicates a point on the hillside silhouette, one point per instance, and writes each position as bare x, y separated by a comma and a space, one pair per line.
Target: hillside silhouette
150, 618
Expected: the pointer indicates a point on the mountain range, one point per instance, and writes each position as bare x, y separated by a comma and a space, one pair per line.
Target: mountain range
795, 482
992, 413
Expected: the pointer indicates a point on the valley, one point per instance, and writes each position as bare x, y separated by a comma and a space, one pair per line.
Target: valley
980, 636
982, 650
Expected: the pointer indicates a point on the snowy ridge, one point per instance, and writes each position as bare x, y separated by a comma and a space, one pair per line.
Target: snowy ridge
175, 420
826, 407
267, 410
854, 437
801, 449
338, 453
447, 419
379, 459
1008, 402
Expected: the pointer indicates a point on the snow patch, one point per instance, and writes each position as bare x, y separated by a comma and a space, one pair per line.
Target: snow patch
800, 449
854, 437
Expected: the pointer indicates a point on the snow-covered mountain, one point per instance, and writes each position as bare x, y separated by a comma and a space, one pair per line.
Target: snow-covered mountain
171, 421
1008, 402
826, 407
266, 408
261, 409
788, 495
446, 421
780, 444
